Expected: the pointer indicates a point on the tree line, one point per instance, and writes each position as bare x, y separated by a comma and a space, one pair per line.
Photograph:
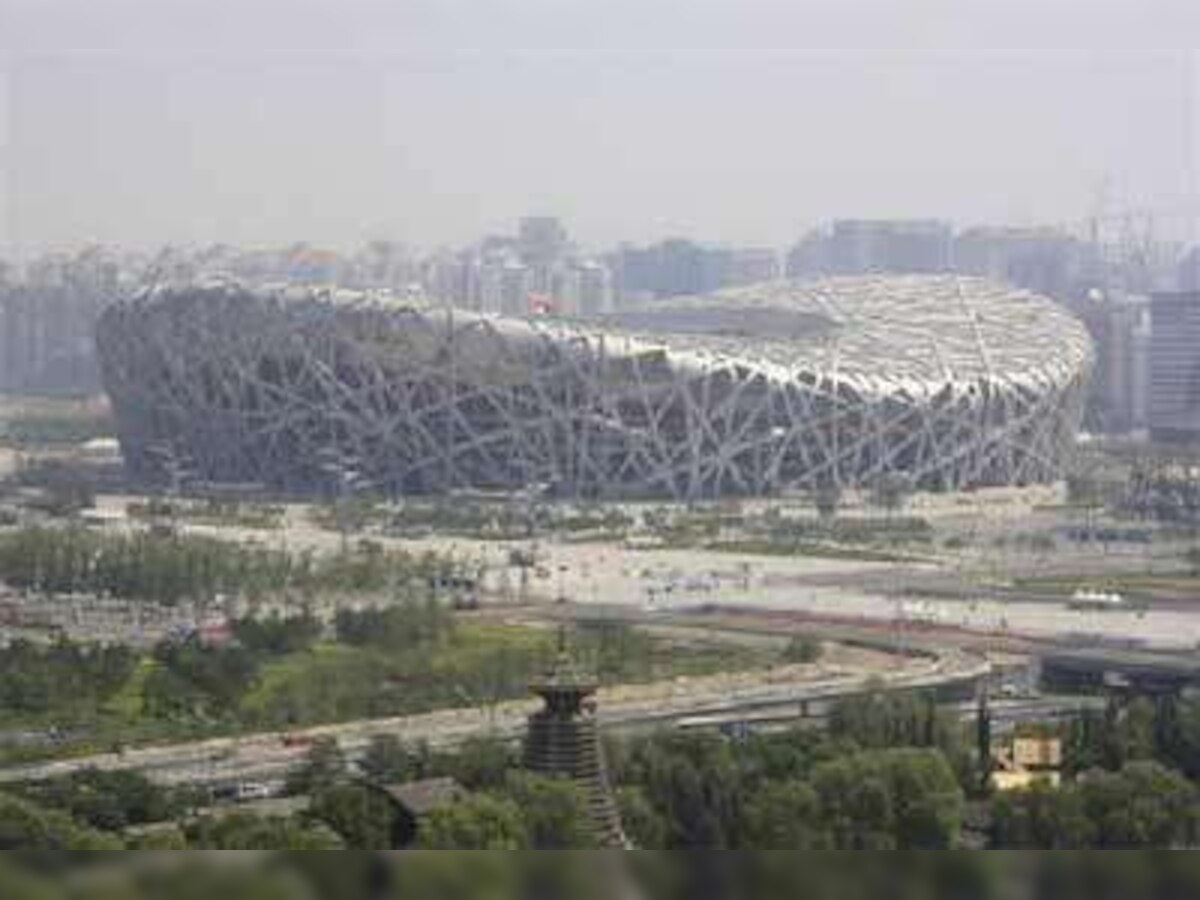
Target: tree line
40, 679
164, 568
887, 774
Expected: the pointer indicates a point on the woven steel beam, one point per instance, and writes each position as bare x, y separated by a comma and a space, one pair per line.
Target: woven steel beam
947, 382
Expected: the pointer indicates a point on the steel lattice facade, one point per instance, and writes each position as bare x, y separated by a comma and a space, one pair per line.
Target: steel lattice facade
947, 382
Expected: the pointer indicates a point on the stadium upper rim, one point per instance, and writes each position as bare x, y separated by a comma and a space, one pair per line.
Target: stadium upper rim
878, 333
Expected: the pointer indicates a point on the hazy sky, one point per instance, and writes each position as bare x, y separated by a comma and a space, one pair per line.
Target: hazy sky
150, 121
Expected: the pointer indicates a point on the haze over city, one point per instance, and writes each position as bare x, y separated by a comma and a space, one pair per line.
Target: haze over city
140, 124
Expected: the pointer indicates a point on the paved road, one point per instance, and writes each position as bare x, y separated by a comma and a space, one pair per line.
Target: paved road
1006, 714
267, 756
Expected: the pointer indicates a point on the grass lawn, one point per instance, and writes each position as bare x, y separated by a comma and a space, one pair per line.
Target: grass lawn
1180, 586
126, 704
479, 663
809, 548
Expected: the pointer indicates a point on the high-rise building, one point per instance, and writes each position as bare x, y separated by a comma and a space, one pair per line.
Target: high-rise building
515, 288
442, 278
595, 288
541, 241
563, 741
46, 322
905, 246
864, 246
671, 268
1189, 271
505, 286
491, 287
1120, 330
1044, 260
1174, 405
751, 265
459, 280
384, 264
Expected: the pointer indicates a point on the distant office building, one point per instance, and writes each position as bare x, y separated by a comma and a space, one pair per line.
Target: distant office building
46, 323
1039, 259
595, 289
505, 288
751, 265
46, 338
863, 246
1189, 271
1022, 761
1174, 407
448, 279
384, 264
917, 246
582, 289
677, 267
670, 268
810, 257
1120, 330
541, 241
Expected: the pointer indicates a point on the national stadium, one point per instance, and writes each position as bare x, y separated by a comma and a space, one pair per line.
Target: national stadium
948, 383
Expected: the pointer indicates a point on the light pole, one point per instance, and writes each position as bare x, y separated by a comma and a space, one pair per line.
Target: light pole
346, 478
177, 473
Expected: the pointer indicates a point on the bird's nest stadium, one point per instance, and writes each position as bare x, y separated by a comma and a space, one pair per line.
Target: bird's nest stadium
948, 383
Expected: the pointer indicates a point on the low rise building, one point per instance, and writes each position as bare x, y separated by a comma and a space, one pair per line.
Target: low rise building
1023, 761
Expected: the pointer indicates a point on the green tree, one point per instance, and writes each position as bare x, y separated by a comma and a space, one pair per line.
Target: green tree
25, 826
889, 720
1177, 728
786, 756
1088, 743
324, 766
555, 811
482, 763
802, 649
478, 822
643, 825
387, 760
784, 816
694, 781
109, 801
1136, 732
1043, 818
243, 831
362, 816
277, 636
906, 796
194, 680
167, 838
64, 678
1143, 805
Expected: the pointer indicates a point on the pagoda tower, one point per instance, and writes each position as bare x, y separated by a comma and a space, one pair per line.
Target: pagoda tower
563, 741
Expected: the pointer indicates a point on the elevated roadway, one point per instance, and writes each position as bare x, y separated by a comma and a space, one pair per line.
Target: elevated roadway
272, 755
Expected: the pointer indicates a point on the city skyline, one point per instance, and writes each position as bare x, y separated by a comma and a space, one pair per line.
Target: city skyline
439, 125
